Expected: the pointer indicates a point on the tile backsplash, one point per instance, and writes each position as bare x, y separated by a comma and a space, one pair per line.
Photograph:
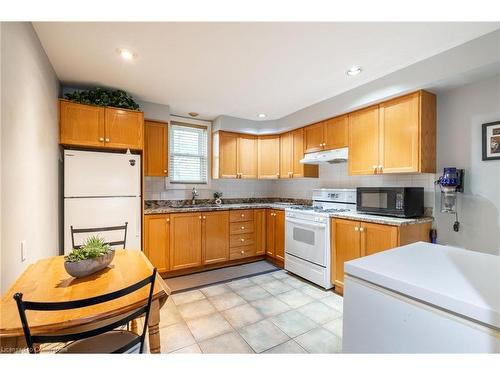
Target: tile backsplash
331, 176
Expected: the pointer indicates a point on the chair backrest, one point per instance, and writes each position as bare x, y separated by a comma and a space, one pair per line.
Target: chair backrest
31, 340
98, 230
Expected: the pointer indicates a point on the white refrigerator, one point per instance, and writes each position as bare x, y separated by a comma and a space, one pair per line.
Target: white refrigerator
102, 189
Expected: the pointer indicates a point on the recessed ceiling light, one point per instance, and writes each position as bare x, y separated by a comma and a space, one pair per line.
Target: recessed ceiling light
354, 70
126, 54
262, 115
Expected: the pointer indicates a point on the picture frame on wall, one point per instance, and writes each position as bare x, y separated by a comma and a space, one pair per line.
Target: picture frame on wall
491, 141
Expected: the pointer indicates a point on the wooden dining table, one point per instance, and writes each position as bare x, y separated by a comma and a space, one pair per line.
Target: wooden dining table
48, 281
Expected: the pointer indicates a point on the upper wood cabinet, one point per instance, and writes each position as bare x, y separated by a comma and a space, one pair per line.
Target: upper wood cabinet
234, 155
363, 141
215, 237
397, 136
326, 135
247, 156
291, 152
93, 126
157, 241
81, 124
155, 148
185, 240
268, 161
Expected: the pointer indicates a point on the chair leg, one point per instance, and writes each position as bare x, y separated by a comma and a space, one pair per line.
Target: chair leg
134, 327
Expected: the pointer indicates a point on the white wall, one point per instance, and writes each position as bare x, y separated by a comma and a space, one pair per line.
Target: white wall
30, 153
461, 112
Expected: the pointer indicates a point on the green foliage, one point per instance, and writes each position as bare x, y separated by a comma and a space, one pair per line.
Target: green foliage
218, 194
104, 97
93, 247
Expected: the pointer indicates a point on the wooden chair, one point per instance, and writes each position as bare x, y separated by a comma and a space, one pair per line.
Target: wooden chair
104, 338
102, 229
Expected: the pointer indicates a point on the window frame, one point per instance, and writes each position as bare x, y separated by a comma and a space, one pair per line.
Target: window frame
182, 185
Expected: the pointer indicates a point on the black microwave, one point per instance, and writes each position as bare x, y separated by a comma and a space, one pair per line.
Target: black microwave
391, 201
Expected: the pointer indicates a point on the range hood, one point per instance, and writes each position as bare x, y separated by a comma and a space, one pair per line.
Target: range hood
338, 155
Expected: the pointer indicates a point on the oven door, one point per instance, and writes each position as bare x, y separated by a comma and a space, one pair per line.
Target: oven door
307, 240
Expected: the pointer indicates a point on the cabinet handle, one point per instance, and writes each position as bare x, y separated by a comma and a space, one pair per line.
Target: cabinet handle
204, 217
380, 167
242, 227
361, 229
242, 251
101, 139
356, 228
242, 215
242, 240
199, 217
277, 175
107, 139
168, 220
164, 171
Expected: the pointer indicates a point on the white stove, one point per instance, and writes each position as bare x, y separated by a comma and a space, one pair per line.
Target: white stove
307, 234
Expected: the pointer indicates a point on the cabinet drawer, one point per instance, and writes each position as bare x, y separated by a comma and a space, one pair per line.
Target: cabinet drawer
240, 215
241, 227
242, 252
237, 240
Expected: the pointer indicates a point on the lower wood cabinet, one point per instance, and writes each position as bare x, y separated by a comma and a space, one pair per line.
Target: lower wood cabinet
275, 236
157, 240
185, 240
215, 237
352, 239
260, 230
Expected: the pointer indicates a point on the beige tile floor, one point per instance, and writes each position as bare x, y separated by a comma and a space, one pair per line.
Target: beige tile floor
270, 313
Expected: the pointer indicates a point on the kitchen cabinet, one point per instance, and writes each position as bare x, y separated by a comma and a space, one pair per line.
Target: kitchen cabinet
351, 239
156, 240
268, 161
260, 231
234, 155
155, 148
102, 127
291, 152
397, 136
326, 135
247, 156
185, 240
242, 237
275, 239
215, 237
81, 124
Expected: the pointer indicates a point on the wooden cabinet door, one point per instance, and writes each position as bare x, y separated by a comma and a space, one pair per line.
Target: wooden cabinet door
227, 159
336, 132
299, 169
279, 234
81, 124
399, 132
156, 240
185, 240
364, 141
123, 128
286, 155
270, 233
155, 149
377, 237
260, 231
215, 235
247, 156
346, 246
268, 160
313, 137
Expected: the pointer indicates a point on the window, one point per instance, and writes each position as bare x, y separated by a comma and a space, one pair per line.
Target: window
188, 153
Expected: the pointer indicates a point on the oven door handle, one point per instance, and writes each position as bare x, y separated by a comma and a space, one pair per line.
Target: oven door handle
315, 225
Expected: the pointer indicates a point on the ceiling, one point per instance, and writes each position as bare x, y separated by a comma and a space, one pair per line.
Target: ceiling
242, 69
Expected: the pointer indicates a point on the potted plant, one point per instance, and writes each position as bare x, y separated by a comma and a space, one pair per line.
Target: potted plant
103, 97
218, 197
94, 255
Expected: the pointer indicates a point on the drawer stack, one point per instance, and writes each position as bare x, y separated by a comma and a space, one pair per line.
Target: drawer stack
241, 234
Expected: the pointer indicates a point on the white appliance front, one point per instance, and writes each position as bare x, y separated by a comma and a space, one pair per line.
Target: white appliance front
101, 174
103, 212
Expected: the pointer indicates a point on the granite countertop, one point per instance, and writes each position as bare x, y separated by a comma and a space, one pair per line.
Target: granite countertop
159, 208
462, 281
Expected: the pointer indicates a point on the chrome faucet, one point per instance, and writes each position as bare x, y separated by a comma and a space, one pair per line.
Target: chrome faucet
194, 193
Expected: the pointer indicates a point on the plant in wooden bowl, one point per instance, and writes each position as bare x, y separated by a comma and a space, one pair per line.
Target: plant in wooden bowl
93, 256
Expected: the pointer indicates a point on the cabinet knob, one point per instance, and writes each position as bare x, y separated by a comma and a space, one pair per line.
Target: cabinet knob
380, 167
242, 227
356, 228
101, 139
242, 215
199, 217
164, 171
168, 220
361, 229
204, 217
107, 139
242, 240
242, 251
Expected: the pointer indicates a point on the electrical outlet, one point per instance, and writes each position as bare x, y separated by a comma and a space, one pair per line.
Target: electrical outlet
24, 251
